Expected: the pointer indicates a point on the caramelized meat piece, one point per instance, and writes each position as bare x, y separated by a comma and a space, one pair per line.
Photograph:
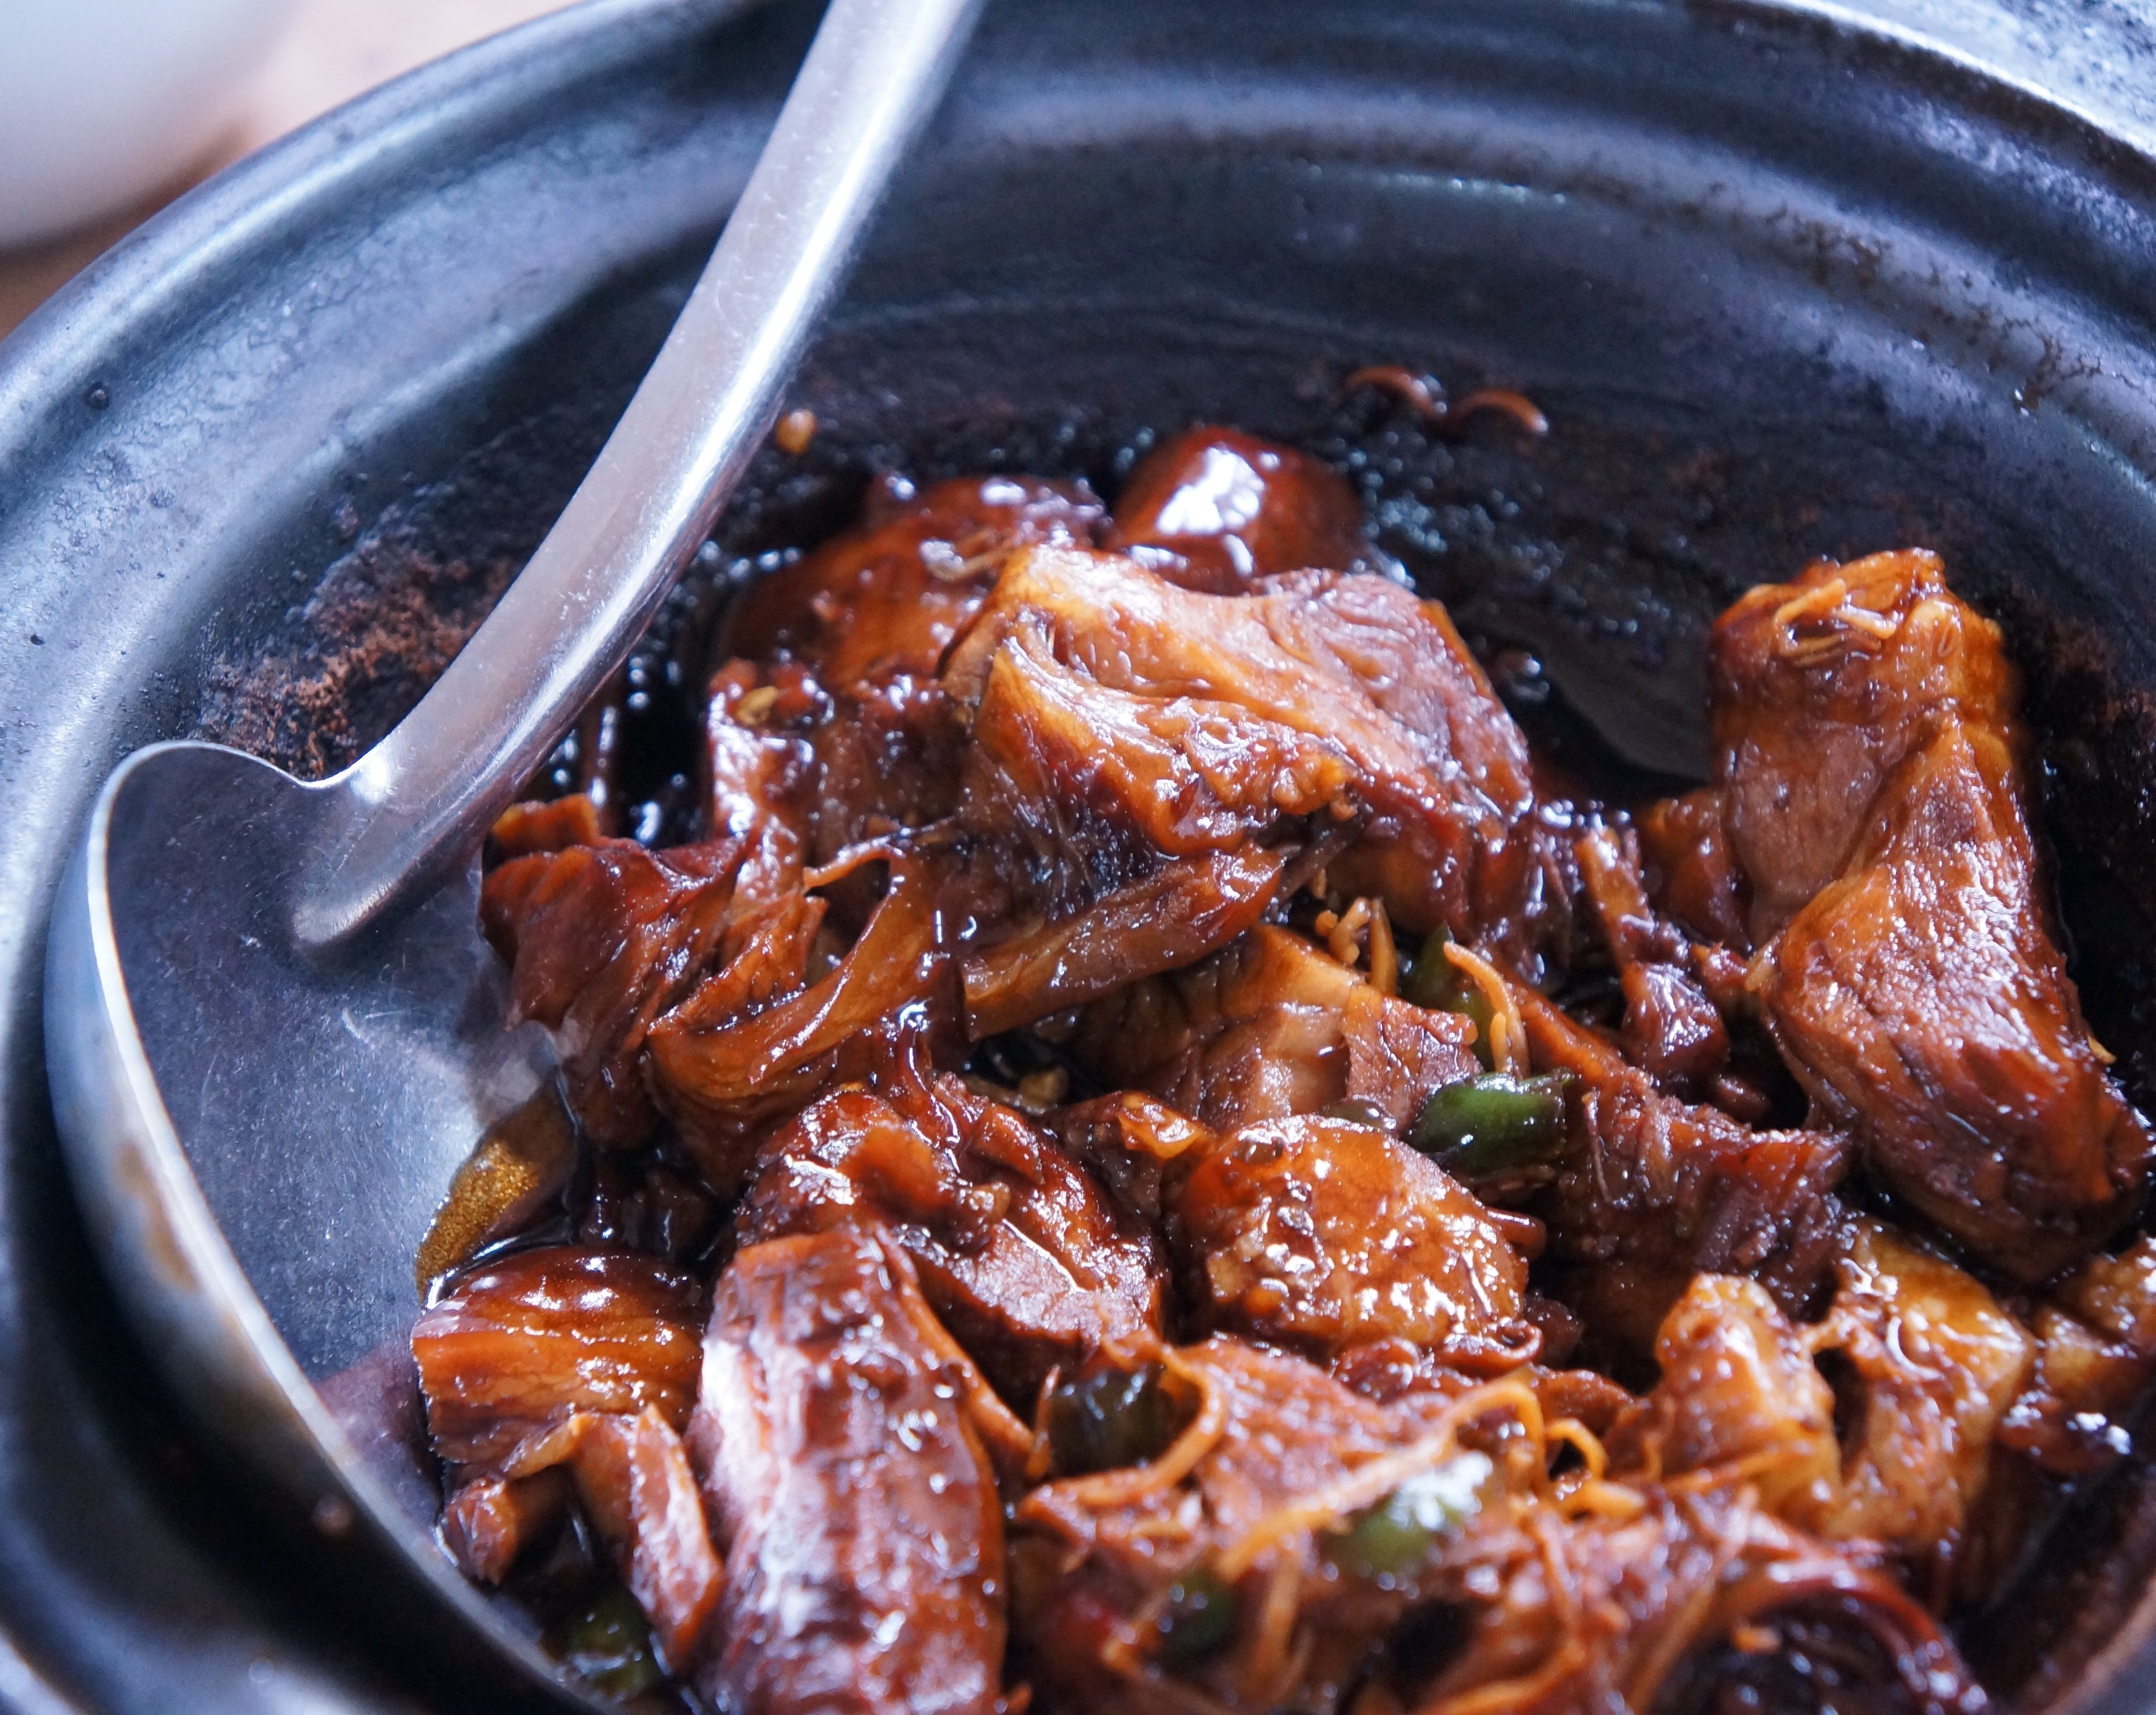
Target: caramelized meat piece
527, 1341
1180, 912
755, 1042
601, 939
887, 759
577, 1363
1927, 1364
1867, 719
801, 773
759, 772
1322, 1236
1934, 1365
1017, 1249
489, 1523
1179, 723
863, 1536
1654, 1191
1919, 999
554, 825
1692, 874
830, 728
632, 1476
885, 600
1215, 509
1739, 1397
1270, 1026
1818, 690
2095, 1352
1672, 1028
1128, 1140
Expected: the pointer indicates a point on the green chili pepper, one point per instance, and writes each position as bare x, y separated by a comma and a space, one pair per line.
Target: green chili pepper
1200, 1618
1484, 1125
608, 1644
1388, 1540
1436, 983
1103, 1419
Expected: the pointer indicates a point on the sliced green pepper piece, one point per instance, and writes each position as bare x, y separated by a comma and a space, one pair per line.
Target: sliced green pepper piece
609, 1645
1392, 1538
1200, 1618
1486, 1124
1104, 1418
1436, 983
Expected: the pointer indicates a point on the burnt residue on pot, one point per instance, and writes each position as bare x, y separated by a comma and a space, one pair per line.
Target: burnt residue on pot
383, 624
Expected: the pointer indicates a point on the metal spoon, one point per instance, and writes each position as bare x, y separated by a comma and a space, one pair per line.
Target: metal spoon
272, 1029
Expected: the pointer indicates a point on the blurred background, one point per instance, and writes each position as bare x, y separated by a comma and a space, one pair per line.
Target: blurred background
109, 109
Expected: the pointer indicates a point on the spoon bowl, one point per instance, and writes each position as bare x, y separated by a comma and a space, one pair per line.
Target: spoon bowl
263, 1134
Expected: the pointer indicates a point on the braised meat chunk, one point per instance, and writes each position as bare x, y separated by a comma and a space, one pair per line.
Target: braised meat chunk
1870, 750
601, 939
864, 1560
564, 1375
1818, 689
1021, 1253
1650, 1191
526, 1342
1271, 1026
1325, 1236
1216, 509
1117, 717
1150, 1153
883, 601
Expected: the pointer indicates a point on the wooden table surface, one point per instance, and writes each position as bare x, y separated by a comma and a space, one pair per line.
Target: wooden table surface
332, 50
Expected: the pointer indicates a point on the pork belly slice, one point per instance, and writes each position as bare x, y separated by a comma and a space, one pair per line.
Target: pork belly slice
528, 1340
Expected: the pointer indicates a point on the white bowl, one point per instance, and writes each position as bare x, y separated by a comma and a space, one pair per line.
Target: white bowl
101, 101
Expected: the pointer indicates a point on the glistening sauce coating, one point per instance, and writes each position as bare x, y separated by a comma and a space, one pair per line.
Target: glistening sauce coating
1147, 1158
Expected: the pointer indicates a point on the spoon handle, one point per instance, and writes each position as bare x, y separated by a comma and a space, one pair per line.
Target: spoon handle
422, 799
